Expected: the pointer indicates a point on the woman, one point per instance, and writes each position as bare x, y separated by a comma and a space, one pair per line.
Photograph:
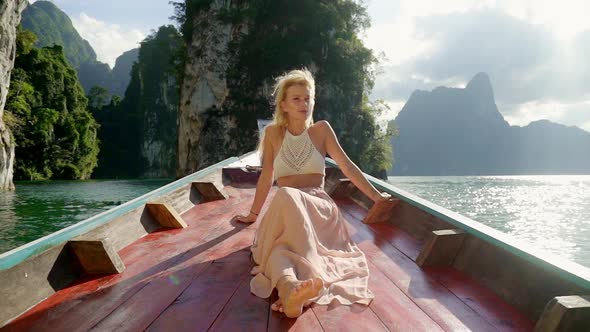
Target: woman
302, 246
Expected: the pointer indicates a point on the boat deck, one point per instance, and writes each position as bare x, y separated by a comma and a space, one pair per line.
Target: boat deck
197, 279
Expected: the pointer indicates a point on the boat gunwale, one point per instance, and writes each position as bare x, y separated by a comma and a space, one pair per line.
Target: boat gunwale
20, 254
571, 271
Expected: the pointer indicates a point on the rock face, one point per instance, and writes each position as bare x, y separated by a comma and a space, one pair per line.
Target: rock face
204, 89
10, 14
158, 148
121, 72
452, 131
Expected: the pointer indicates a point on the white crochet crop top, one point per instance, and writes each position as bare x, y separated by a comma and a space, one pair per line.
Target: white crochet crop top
298, 155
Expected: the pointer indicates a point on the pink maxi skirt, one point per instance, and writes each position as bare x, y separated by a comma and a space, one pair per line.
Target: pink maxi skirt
303, 234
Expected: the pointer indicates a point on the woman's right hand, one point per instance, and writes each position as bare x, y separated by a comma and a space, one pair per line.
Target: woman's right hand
250, 218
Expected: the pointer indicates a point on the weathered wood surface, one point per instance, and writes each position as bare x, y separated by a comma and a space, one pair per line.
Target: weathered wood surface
165, 215
97, 256
145, 259
441, 248
437, 301
197, 279
307, 322
381, 212
526, 286
565, 314
210, 191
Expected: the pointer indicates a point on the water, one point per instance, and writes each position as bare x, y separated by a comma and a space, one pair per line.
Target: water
36, 209
549, 212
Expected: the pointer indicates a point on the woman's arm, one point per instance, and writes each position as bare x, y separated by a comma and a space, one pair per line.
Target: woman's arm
264, 181
349, 169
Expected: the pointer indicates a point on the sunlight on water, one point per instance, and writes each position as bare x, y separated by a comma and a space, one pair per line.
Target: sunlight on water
36, 209
550, 212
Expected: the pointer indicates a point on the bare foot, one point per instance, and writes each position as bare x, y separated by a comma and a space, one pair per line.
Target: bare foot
277, 306
298, 294
255, 270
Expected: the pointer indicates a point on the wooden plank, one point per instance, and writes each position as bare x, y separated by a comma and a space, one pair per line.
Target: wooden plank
84, 305
97, 256
165, 215
243, 312
441, 248
394, 308
449, 312
381, 212
210, 191
198, 306
526, 286
401, 240
341, 188
139, 311
355, 317
145, 306
489, 305
241, 176
278, 321
565, 314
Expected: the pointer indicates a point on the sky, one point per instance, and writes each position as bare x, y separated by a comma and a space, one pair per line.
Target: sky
534, 51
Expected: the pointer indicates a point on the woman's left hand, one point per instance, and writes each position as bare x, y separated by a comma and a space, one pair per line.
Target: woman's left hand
246, 219
381, 197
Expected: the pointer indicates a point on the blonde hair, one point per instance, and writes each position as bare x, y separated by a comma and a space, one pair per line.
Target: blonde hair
285, 81
282, 83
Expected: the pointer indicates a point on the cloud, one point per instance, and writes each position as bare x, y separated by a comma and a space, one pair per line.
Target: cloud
571, 114
514, 53
536, 73
108, 40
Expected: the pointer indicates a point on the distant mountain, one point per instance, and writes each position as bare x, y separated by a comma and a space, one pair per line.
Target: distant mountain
451, 131
53, 27
121, 74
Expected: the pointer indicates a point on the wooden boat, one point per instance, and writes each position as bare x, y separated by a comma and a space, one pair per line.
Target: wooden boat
172, 260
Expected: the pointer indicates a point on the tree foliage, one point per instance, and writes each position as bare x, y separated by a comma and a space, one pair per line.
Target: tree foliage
55, 135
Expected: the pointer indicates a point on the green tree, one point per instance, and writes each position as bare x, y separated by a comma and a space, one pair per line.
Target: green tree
98, 97
55, 135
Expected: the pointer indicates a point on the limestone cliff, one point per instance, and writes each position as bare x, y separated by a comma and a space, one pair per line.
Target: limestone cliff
10, 14
450, 131
204, 88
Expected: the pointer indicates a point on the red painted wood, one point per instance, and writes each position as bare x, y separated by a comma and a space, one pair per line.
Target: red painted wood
495, 310
399, 239
394, 308
243, 312
145, 306
502, 315
197, 278
159, 251
448, 311
198, 306
356, 317
277, 321
137, 312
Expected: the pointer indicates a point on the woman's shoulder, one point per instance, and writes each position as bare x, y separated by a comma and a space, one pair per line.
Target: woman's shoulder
272, 131
322, 126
